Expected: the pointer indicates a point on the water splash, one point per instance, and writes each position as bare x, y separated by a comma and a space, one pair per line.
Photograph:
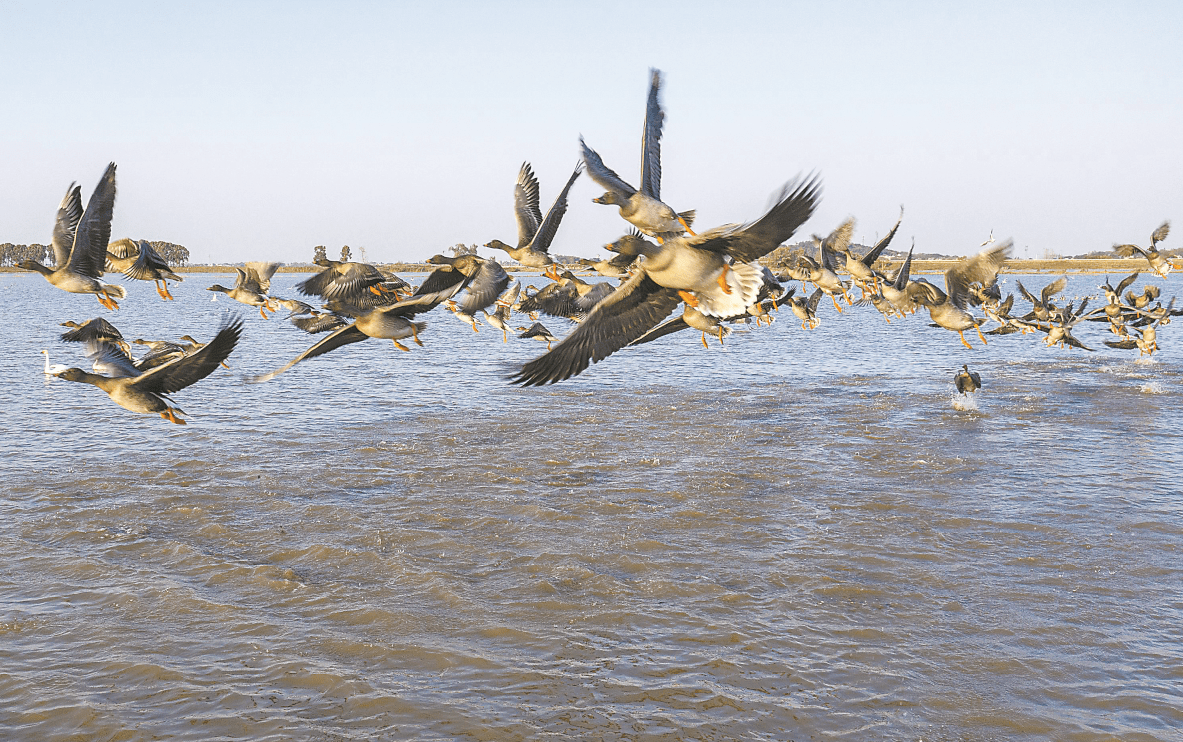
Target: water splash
964, 402
1146, 361
1153, 387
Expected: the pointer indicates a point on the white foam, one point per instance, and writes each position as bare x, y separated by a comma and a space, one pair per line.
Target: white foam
1146, 360
964, 402
1153, 387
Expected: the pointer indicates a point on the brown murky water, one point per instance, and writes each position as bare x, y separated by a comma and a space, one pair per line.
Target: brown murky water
797, 536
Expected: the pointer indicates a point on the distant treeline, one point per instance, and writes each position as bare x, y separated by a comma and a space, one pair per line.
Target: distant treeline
10, 254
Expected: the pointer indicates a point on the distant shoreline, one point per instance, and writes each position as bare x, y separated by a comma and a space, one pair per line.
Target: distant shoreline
1084, 266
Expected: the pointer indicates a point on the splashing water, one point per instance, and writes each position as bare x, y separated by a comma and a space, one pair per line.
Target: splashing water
1153, 387
964, 402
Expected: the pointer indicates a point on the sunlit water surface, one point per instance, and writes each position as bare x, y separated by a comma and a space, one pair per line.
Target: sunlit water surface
793, 536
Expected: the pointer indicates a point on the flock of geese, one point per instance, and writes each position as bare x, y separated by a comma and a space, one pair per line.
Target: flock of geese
714, 276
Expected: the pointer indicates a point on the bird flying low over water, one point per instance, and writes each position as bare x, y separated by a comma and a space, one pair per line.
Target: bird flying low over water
948, 310
138, 260
686, 268
535, 233
1158, 263
252, 286
148, 392
80, 243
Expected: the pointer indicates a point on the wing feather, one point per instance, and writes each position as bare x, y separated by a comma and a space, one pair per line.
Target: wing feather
65, 225
187, 370
550, 225
651, 140
627, 314
89, 256
603, 175
338, 338
525, 205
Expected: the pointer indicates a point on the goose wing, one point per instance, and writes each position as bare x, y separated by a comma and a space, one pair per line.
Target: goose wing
1125, 282
190, 369
525, 205
92, 329
338, 338
149, 265
259, 276
981, 268
65, 225
1128, 250
792, 207
488, 284
1053, 288
550, 224
651, 140
625, 315
93, 234
870, 258
106, 353
669, 327
1161, 233
604, 175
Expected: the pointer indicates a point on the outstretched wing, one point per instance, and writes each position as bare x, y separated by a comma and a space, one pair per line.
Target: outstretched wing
187, 370
625, 315
525, 205
981, 268
66, 224
794, 205
1160, 234
603, 175
1053, 288
651, 140
89, 256
870, 258
488, 283
550, 225
344, 336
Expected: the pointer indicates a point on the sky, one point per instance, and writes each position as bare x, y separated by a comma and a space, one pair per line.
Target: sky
257, 130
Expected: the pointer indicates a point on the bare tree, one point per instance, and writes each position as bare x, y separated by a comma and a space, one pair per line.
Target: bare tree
318, 253
460, 249
346, 254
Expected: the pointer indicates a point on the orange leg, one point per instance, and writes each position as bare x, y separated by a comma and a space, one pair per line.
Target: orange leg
704, 340
689, 298
415, 334
834, 298
963, 340
400, 346
983, 337
687, 227
722, 279
720, 334
262, 312
169, 415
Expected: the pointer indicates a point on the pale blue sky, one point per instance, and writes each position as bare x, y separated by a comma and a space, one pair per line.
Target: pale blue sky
257, 130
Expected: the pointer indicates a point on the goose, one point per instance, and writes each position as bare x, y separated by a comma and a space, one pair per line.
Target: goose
139, 261
1158, 263
254, 281
689, 269
860, 269
538, 331
80, 243
148, 392
948, 310
535, 233
643, 207
967, 381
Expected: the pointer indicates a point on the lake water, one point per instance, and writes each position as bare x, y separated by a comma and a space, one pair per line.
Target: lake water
797, 535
